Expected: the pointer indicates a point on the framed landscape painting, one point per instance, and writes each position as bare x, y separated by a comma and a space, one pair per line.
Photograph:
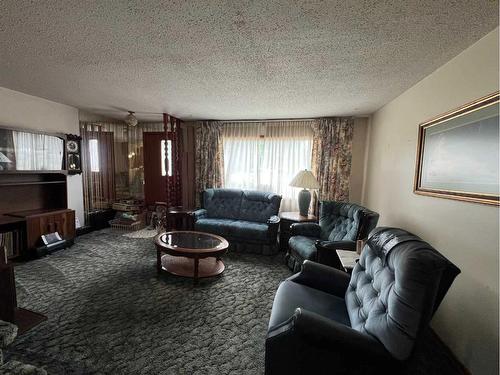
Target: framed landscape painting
458, 153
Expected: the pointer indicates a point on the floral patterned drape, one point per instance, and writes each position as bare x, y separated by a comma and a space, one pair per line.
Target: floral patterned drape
209, 167
331, 157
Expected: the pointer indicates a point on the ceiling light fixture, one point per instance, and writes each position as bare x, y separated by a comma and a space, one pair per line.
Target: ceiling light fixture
130, 119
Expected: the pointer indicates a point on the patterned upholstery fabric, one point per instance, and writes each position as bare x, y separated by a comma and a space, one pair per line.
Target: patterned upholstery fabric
222, 203
337, 222
250, 231
247, 219
395, 287
244, 230
258, 206
303, 246
220, 227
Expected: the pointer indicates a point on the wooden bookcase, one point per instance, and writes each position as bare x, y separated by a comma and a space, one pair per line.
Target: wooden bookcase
35, 203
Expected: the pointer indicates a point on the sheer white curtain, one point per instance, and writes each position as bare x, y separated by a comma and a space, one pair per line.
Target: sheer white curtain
37, 151
241, 155
266, 156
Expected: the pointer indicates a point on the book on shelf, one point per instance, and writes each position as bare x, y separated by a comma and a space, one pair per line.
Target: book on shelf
11, 242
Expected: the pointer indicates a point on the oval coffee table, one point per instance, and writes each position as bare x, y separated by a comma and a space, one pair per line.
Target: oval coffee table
190, 253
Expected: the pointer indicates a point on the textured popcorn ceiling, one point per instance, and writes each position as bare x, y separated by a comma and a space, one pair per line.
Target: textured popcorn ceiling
224, 59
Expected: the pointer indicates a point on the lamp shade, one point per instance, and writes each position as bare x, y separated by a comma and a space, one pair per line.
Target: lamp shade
305, 179
4, 159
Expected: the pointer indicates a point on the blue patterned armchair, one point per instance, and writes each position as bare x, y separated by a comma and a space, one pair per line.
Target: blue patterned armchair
325, 321
340, 226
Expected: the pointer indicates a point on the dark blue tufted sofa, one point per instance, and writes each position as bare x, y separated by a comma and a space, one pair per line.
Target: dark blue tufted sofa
340, 226
324, 321
247, 219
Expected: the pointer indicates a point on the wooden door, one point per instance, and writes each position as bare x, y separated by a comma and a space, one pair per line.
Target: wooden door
155, 184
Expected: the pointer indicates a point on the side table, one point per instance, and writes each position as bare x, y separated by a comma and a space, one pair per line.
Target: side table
286, 220
348, 259
177, 218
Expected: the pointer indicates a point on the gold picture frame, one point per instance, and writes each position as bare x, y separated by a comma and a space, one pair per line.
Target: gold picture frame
437, 158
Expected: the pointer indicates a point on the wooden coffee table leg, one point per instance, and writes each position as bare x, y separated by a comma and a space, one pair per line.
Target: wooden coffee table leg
196, 264
158, 261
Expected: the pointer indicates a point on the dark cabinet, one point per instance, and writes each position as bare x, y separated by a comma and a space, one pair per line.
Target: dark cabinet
61, 221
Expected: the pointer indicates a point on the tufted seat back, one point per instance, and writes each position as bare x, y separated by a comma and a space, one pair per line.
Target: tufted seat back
396, 287
256, 206
345, 221
259, 206
222, 203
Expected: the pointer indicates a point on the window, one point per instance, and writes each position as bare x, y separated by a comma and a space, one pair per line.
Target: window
163, 157
266, 157
94, 155
37, 151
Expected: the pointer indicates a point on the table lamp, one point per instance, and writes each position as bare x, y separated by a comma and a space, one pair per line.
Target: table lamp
305, 180
4, 159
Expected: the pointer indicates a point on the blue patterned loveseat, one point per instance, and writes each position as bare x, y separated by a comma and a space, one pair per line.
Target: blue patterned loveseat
247, 219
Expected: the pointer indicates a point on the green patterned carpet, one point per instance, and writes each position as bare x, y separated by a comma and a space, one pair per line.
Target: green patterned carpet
109, 313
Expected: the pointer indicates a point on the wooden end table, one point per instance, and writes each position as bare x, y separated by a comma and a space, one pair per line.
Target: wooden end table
178, 218
190, 254
348, 259
286, 220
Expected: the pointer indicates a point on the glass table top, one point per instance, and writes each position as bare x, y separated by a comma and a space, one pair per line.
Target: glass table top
192, 241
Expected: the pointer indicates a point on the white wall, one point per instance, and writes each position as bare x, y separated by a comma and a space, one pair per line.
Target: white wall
30, 112
466, 233
89, 116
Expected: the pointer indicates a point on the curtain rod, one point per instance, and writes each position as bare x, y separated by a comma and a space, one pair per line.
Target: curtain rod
272, 120
280, 119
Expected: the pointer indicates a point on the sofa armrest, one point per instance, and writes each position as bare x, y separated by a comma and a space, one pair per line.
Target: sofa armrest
311, 343
318, 328
273, 224
8, 333
334, 245
323, 330
305, 229
198, 214
326, 253
321, 277
273, 220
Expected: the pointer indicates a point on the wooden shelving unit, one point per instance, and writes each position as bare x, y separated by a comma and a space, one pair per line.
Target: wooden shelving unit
38, 202
32, 183
28, 190
59, 171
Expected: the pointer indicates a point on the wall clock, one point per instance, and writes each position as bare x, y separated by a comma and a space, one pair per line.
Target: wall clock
72, 146
73, 159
